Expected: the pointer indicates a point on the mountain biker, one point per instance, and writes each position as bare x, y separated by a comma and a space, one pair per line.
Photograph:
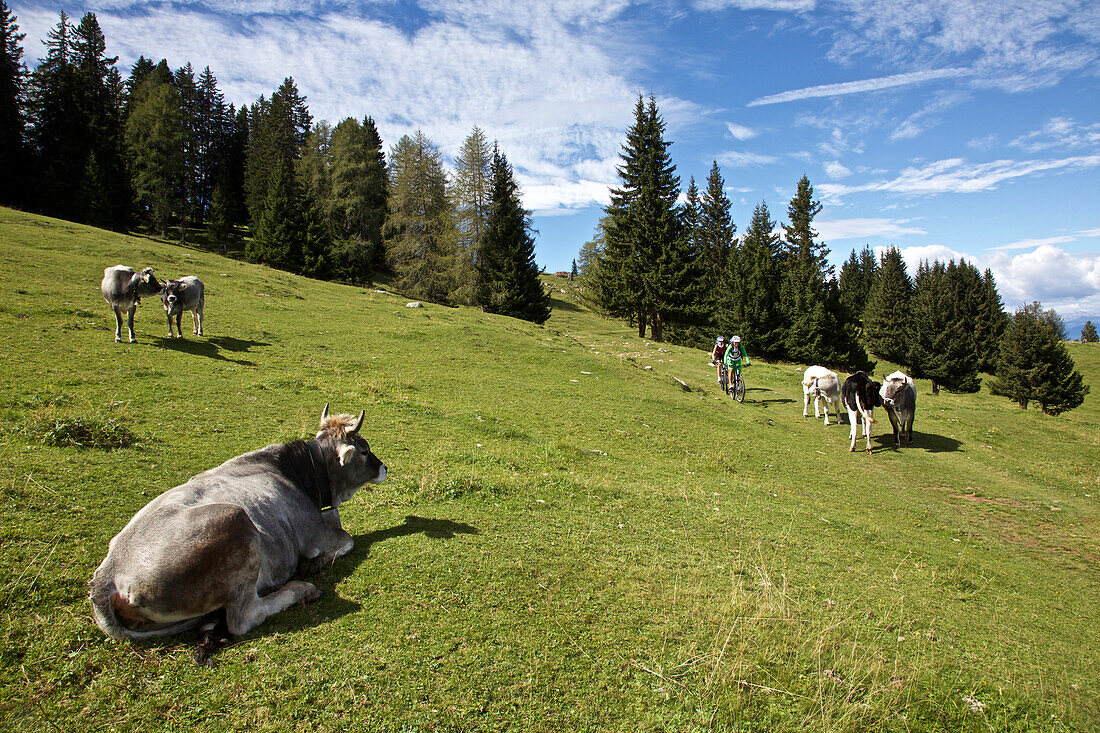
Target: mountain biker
733, 357
717, 354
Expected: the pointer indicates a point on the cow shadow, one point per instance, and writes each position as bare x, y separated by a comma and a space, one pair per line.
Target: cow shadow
927, 442
328, 608
209, 347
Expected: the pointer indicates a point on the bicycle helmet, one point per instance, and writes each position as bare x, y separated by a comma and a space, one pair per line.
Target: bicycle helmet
736, 339
720, 339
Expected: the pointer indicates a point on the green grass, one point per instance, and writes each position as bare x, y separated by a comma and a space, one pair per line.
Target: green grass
568, 540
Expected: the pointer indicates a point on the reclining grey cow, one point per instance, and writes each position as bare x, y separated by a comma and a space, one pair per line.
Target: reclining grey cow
232, 537
899, 397
185, 294
123, 288
822, 385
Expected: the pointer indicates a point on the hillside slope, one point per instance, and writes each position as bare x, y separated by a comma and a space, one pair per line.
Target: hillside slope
569, 539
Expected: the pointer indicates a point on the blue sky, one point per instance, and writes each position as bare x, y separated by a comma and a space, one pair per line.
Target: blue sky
945, 127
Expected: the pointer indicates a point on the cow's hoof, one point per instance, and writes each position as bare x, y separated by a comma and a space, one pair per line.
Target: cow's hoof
312, 594
118, 340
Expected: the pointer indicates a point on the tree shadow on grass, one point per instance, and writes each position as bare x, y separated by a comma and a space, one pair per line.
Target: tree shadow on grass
210, 348
921, 441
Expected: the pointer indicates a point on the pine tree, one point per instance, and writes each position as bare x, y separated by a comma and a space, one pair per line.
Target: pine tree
12, 125
154, 138
941, 348
1088, 333
420, 239
508, 278
886, 321
210, 130
471, 192
277, 130
1034, 364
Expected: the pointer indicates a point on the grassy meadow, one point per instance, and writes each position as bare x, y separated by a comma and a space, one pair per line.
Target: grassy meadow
569, 539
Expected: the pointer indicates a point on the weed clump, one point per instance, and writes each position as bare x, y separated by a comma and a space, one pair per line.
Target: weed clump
55, 424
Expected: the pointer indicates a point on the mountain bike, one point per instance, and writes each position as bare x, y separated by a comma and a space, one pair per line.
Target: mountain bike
737, 388
724, 377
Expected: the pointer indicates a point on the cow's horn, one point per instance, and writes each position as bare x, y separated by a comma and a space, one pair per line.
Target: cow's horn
324, 412
359, 422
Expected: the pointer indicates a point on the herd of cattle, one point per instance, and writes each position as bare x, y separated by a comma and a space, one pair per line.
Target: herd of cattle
860, 396
123, 289
225, 545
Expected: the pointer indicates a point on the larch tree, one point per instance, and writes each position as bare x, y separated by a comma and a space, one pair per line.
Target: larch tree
508, 278
471, 192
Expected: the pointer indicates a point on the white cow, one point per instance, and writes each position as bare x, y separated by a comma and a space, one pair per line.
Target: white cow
123, 289
821, 384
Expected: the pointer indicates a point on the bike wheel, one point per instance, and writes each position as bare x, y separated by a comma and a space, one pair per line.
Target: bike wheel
738, 388
723, 378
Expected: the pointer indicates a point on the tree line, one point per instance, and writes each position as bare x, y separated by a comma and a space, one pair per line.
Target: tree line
162, 150
671, 263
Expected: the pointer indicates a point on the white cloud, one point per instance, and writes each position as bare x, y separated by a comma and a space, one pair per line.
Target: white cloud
928, 116
859, 87
835, 229
1032, 243
740, 132
1060, 132
954, 175
777, 5
1049, 274
745, 160
834, 169
1089, 233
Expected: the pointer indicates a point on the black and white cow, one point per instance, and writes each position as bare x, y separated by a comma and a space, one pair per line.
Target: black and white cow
821, 385
899, 397
232, 537
123, 289
861, 397
185, 294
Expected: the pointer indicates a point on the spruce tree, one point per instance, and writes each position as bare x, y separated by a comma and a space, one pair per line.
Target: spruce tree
857, 278
941, 348
420, 230
886, 321
989, 324
154, 138
717, 239
1034, 364
508, 278
748, 299
12, 125
1088, 333
649, 273
277, 130
280, 237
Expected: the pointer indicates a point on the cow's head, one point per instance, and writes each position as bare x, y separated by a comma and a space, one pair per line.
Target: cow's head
147, 283
874, 398
350, 461
170, 294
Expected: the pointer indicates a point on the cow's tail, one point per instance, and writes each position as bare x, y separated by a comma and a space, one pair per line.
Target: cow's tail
866, 414
104, 595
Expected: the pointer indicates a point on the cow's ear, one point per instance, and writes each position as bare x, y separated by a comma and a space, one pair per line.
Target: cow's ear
344, 453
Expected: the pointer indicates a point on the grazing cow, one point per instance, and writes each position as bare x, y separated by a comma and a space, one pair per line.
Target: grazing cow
899, 397
861, 397
123, 289
821, 384
232, 537
185, 294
